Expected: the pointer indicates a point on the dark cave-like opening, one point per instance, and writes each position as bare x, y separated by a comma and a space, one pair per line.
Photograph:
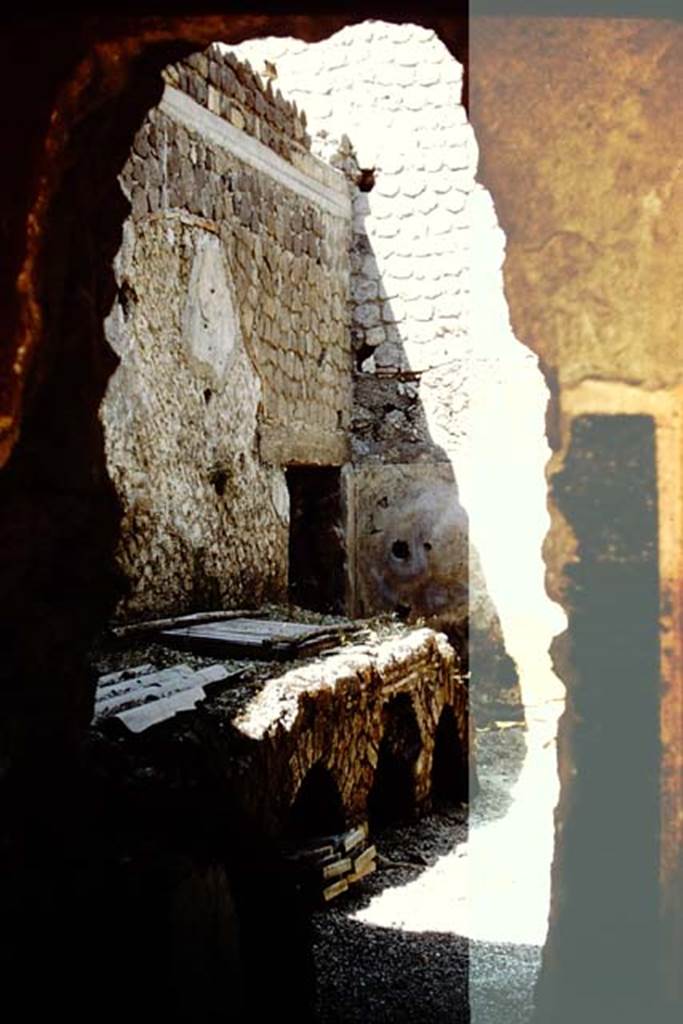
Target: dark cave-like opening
317, 808
392, 797
449, 763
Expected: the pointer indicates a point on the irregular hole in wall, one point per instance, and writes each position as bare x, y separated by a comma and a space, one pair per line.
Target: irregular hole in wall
392, 796
400, 549
317, 809
219, 481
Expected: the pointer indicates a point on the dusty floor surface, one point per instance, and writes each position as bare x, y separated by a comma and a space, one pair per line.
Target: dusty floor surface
454, 933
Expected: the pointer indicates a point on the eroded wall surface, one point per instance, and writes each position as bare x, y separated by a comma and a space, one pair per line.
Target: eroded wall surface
581, 151
230, 324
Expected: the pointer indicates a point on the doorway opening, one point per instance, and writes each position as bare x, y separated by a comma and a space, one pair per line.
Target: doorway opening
316, 538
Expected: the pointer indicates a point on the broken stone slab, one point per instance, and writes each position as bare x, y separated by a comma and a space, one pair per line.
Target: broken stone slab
133, 698
157, 688
155, 684
141, 718
151, 680
123, 676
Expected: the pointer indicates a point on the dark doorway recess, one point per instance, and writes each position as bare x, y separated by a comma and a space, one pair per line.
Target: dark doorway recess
449, 764
392, 797
318, 809
316, 538
606, 935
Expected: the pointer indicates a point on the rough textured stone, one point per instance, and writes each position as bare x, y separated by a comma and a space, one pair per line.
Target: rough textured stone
198, 425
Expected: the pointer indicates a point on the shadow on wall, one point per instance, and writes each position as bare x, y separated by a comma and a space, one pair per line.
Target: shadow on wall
411, 533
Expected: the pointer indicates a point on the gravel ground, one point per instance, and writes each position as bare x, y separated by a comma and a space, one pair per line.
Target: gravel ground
455, 932
366, 972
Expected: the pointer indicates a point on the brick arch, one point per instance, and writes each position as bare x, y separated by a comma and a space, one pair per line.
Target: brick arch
317, 807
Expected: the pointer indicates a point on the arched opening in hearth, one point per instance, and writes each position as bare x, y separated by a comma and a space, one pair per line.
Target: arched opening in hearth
317, 809
449, 762
392, 797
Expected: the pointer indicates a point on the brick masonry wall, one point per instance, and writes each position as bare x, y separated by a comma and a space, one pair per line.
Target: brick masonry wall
231, 328
387, 97
228, 87
331, 713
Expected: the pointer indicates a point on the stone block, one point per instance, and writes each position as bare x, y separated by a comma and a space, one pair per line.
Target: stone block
237, 118
139, 202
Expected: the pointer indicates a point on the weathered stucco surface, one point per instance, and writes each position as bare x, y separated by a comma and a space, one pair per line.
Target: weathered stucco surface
577, 126
230, 324
586, 175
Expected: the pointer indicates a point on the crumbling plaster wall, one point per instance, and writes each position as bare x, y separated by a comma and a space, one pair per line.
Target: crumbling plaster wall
230, 324
577, 128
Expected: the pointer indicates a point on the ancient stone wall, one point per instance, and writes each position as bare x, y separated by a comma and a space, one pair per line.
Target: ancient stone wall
230, 324
384, 104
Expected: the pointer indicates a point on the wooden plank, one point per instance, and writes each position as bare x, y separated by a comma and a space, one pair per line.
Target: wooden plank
363, 859
356, 876
260, 630
225, 645
154, 625
262, 637
337, 867
355, 837
330, 891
